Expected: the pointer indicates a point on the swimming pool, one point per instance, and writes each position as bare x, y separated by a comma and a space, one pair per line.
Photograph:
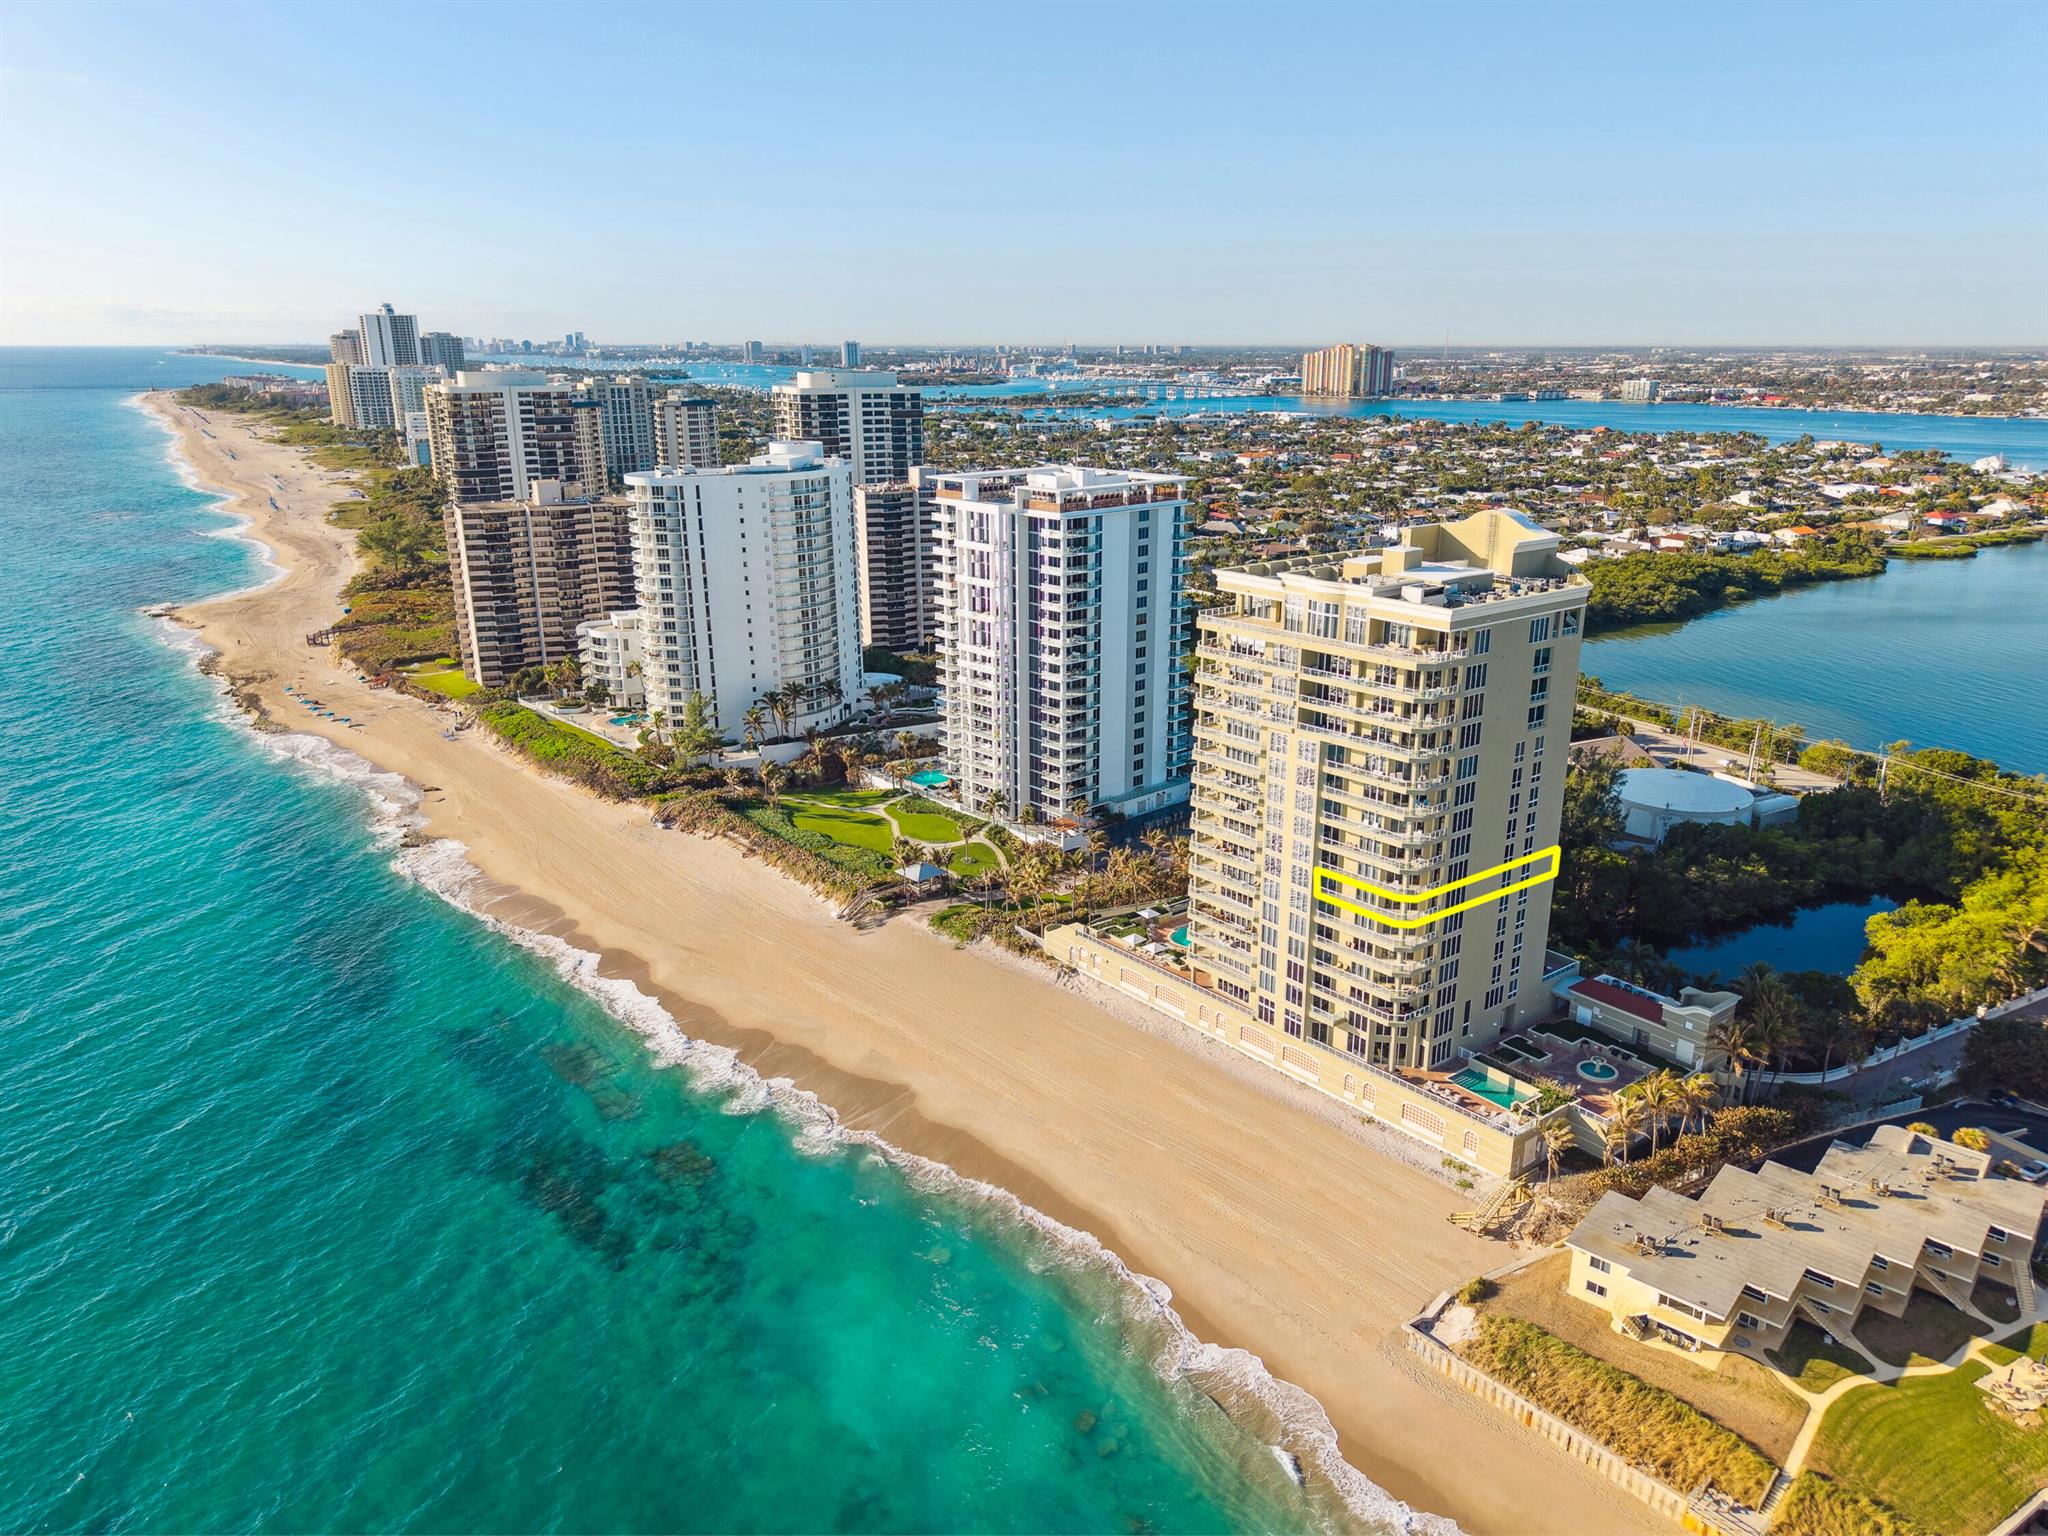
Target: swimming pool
930, 778
1179, 936
1474, 1080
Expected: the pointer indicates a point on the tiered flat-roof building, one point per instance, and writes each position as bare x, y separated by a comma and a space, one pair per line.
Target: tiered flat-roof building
1758, 1252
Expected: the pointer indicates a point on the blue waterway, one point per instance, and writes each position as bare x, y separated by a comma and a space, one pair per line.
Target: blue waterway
2023, 440
1941, 653
323, 1207
1823, 938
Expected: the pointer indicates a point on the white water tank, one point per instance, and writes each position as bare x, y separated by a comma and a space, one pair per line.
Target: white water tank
1654, 800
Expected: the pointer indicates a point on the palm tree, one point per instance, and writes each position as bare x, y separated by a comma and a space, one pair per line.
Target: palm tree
774, 779
1694, 1097
1733, 1039
753, 725
814, 754
735, 781
1830, 1032
1657, 1093
995, 803
1557, 1140
905, 852
1623, 1121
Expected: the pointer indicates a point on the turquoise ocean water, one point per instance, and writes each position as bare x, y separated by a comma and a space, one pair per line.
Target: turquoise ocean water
323, 1206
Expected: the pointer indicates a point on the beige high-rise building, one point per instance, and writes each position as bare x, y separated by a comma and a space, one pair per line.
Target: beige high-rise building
1376, 734
527, 573
495, 434
685, 432
1348, 372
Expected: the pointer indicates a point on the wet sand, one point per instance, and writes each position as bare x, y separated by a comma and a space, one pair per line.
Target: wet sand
1278, 1228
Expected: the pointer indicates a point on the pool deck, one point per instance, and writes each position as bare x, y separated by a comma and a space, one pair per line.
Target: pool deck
1561, 1061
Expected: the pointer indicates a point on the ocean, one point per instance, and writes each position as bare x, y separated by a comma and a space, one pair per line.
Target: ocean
326, 1206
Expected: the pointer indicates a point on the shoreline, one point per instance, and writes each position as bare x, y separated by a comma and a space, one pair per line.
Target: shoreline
1282, 1234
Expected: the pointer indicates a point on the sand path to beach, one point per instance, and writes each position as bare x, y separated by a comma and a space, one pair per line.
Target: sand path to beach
1278, 1229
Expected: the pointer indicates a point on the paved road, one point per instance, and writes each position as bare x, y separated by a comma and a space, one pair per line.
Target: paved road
2026, 1125
1668, 748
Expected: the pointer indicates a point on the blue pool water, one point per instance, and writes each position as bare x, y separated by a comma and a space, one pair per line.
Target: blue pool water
930, 778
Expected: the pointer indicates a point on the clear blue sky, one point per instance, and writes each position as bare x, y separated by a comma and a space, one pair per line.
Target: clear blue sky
982, 171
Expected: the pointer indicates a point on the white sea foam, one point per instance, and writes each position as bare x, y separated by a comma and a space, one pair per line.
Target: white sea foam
1307, 1442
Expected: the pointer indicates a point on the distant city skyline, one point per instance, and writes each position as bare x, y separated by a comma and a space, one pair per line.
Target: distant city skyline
1540, 175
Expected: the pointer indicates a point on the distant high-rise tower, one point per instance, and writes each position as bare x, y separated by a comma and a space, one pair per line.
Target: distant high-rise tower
345, 347
1348, 372
360, 396
686, 432
495, 434
389, 337
626, 410
752, 352
868, 419
440, 349
849, 354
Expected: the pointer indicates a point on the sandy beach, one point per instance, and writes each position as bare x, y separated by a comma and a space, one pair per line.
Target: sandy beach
1278, 1228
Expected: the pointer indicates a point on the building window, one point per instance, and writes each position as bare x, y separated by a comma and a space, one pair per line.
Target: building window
1595, 1288
1748, 1320
1820, 1279
1600, 1264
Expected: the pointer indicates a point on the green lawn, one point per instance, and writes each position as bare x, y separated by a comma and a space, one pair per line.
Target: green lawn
840, 797
1928, 1333
855, 828
443, 677
926, 826
1932, 1449
2008, 1349
1809, 1359
972, 860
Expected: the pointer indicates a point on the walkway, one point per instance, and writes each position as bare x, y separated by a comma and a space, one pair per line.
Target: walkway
1818, 1403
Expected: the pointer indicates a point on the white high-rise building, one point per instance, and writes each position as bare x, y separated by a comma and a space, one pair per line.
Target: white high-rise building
495, 433
685, 432
746, 576
625, 404
849, 354
1060, 637
868, 419
388, 337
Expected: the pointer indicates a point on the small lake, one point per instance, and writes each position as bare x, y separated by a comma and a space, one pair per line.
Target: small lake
1827, 938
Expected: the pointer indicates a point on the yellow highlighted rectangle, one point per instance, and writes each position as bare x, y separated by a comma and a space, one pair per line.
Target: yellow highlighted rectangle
1416, 898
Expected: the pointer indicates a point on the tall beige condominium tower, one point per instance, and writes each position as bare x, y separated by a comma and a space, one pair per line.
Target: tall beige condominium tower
345, 347
1370, 731
685, 432
867, 419
1348, 372
897, 538
359, 395
495, 433
527, 573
